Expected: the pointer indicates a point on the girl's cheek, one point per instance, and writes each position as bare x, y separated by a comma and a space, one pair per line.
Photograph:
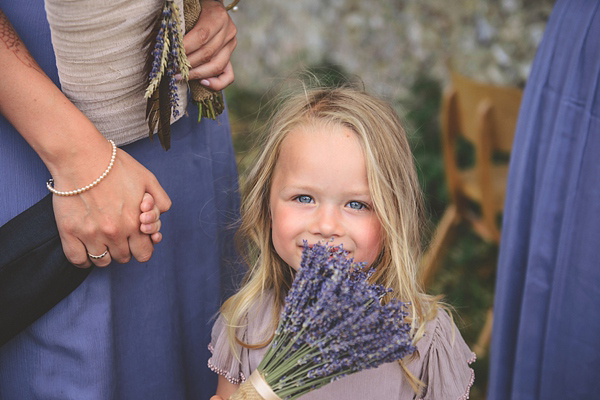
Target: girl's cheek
374, 242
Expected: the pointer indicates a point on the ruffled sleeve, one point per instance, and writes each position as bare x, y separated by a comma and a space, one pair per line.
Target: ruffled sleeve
445, 359
223, 361
237, 363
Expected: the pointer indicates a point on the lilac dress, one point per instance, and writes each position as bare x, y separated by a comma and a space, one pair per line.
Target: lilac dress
138, 330
441, 362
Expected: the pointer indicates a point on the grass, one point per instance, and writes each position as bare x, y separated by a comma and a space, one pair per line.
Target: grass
466, 276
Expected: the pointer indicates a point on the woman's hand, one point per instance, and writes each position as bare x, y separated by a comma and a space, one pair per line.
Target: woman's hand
209, 45
105, 217
108, 216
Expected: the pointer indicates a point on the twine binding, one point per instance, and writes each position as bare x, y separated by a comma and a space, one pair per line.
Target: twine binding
255, 388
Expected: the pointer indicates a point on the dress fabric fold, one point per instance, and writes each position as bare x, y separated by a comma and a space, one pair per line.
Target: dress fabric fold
546, 328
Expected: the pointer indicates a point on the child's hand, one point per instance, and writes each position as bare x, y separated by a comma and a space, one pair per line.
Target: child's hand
150, 218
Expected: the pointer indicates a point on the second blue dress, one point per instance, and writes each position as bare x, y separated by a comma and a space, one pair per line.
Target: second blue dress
545, 341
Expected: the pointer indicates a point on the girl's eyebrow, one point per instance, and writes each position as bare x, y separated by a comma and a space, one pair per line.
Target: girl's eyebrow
298, 188
357, 193
308, 188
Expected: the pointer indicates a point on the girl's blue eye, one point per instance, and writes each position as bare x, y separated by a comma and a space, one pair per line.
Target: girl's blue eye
357, 205
304, 199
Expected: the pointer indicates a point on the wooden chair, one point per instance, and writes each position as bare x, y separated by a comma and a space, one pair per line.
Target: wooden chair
485, 116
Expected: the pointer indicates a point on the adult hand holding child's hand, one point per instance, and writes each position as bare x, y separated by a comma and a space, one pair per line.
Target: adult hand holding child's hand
107, 217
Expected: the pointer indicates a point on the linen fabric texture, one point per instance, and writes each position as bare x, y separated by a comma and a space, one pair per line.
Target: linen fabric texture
101, 50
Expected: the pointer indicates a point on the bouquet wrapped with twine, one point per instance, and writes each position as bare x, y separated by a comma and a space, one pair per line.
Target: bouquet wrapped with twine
334, 323
166, 60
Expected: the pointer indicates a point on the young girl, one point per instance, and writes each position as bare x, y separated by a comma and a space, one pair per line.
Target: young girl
336, 166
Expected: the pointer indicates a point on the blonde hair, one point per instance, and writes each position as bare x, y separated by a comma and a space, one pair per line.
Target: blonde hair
394, 189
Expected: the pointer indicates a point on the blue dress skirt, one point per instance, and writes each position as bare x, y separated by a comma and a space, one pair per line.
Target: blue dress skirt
546, 336
130, 331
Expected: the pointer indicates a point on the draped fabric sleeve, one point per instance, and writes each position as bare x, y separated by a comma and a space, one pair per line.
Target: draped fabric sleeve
445, 359
223, 360
237, 363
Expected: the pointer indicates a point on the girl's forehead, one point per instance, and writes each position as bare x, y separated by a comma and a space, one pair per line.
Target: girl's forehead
321, 149
320, 135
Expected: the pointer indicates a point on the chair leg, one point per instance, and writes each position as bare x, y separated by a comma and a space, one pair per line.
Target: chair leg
483, 230
431, 259
483, 342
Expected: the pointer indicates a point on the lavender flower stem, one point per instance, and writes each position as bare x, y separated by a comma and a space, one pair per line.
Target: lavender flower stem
280, 340
270, 359
291, 380
276, 373
282, 356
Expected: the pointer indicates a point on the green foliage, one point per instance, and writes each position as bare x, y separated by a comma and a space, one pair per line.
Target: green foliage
246, 118
421, 117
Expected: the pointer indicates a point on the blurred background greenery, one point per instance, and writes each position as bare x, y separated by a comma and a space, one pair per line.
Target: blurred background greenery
466, 277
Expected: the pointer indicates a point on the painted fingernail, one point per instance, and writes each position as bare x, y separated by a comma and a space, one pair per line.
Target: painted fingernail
205, 82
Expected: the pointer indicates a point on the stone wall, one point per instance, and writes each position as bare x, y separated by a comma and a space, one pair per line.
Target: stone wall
388, 42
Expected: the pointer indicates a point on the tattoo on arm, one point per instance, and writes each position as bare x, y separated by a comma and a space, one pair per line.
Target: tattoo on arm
10, 39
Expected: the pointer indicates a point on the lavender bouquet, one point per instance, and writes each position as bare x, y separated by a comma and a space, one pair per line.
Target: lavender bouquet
333, 324
167, 58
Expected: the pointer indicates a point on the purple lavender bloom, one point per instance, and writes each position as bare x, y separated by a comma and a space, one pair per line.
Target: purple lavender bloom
333, 323
166, 55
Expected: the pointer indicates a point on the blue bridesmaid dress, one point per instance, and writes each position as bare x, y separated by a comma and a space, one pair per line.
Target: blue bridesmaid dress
136, 330
546, 336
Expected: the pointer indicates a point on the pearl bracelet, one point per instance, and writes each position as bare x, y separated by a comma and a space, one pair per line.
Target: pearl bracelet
233, 6
50, 183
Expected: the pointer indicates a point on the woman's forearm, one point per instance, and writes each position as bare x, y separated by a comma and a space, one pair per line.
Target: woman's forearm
60, 134
103, 218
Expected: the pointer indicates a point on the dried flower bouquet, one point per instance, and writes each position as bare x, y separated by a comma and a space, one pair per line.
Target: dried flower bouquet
334, 323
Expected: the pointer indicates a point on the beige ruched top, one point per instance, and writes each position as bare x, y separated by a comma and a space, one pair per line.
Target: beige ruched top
101, 48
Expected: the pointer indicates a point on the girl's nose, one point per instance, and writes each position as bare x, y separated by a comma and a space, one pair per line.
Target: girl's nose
327, 222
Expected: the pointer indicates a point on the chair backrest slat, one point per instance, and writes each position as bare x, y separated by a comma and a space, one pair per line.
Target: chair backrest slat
505, 103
